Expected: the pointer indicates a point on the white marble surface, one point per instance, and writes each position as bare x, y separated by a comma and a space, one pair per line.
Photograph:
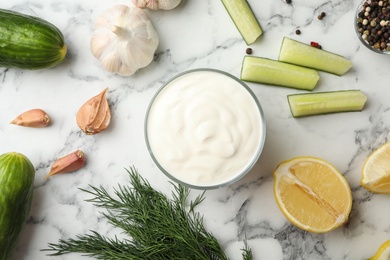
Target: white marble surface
198, 34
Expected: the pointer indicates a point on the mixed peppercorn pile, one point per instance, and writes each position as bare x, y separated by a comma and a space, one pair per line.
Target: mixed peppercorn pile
373, 24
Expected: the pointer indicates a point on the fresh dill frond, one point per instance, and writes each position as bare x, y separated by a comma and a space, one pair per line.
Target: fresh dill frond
157, 227
247, 252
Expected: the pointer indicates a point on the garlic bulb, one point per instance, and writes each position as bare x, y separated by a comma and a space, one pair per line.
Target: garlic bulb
157, 4
124, 40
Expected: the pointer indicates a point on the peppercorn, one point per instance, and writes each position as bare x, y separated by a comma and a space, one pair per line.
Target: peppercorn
315, 45
288, 1
297, 31
321, 15
248, 50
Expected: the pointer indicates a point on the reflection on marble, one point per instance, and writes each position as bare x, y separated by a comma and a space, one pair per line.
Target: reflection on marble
198, 34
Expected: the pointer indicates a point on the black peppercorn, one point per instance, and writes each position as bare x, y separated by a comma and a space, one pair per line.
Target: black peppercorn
297, 31
248, 51
321, 15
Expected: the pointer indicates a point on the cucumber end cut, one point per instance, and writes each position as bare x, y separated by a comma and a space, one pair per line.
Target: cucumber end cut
308, 104
251, 38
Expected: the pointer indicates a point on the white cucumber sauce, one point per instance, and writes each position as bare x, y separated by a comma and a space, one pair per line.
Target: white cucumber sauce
205, 129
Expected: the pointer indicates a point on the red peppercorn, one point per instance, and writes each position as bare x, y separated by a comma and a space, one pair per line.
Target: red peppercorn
314, 44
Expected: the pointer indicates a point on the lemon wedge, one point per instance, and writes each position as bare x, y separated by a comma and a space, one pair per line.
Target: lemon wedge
376, 170
383, 252
312, 194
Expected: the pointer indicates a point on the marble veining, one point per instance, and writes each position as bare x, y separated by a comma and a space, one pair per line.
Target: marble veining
198, 34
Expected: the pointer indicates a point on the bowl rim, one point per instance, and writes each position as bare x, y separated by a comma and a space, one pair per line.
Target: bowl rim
250, 164
364, 42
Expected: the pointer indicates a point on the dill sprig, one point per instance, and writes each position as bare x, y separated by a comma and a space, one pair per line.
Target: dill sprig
157, 227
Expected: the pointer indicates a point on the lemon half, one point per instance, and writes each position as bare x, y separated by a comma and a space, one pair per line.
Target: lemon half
312, 194
376, 170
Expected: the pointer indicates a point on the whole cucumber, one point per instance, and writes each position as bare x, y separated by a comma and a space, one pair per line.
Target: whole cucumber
16, 191
29, 42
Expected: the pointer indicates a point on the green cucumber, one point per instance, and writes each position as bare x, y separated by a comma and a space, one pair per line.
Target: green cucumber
244, 19
305, 55
307, 104
267, 71
29, 42
16, 188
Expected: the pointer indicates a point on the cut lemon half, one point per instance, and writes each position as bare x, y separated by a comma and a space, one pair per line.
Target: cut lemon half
312, 194
383, 252
376, 170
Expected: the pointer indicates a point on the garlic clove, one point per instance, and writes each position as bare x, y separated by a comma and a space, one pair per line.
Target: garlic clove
124, 40
36, 118
68, 163
157, 4
94, 116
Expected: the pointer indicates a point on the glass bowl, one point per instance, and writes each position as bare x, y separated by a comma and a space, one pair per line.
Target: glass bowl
205, 129
360, 31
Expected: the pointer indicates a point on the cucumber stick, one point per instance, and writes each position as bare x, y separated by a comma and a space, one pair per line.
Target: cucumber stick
267, 71
301, 54
244, 19
307, 104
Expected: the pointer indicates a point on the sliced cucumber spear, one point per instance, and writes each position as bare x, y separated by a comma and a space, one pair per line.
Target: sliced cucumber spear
267, 71
305, 55
244, 19
307, 104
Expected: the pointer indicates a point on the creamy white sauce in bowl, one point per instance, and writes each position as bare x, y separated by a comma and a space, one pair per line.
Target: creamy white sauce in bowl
205, 129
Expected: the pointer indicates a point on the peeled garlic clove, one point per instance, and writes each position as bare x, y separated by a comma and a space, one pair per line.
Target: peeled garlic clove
36, 118
124, 40
68, 163
94, 116
157, 4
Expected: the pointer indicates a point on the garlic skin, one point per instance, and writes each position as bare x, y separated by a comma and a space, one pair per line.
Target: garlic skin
157, 4
124, 40
36, 118
94, 116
